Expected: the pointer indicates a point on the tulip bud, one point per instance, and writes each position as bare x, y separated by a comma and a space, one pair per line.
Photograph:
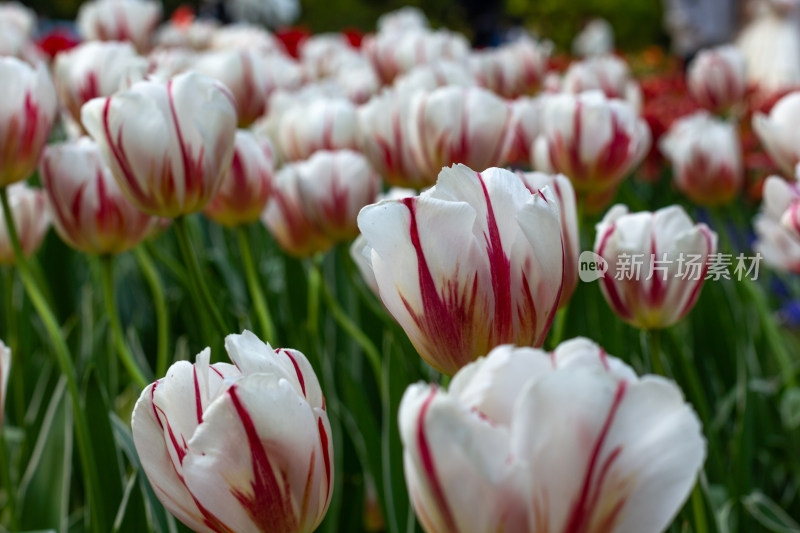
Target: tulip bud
242, 447
706, 156
315, 203
776, 226
94, 69
717, 78
595, 39
5, 368
593, 140
31, 220
394, 53
568, 441
169, 144
89, 211
474, 262
245, 190
434, 75
119, 20
524, 126
322, 124
779, 133
465, 125
568, 214
402, 20
27, 112
657, 263
608, 74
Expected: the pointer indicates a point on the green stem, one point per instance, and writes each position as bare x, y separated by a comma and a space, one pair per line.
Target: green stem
698, 507
11, 487
314, 282
12, 341
160, 303
64, 361
253, 283
350, 327
125, 354
557, 330
198, 281
655, 352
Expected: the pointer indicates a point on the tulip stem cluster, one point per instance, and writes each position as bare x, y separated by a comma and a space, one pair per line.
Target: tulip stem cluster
349, 326
254, 285
197, 281
64, 361
124, 352
160, 303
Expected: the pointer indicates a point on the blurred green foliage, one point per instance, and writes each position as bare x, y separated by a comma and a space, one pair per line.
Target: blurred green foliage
637, 23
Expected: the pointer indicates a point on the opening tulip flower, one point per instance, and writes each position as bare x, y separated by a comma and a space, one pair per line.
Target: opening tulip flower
593, 140
657, 263
89, 211
169, 144
238, 447
474, 262
570, 441
120, 20
27, 112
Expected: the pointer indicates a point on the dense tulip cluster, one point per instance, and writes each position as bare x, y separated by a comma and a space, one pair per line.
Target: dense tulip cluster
465, 183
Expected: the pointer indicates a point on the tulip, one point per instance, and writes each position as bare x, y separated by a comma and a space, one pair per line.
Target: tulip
119, 20
5, 368
717, 78
474, 262
568, 441
193, 35
524, 125
657, 263
394, 53
777, 228
242, 447
27, 112
89, 211
608, 74
463, 125
169, 144
18, 16
315, 202
779, 134
31, 219
322, 124
593, 140
568, 214
94, 69
389, 137
319, 53
595, 39
245, 36
245, 190
402, 20
17, 25
434, 75
514, 69
706, 156
251, 77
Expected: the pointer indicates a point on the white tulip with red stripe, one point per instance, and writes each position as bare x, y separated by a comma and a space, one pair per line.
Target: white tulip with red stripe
89, 210
777, 226
571, 441
120, 20
31, 219
593, 140
779, 133
27, 111
474, 262
673, 254
568, 213
169, 144
246, 189
514, 69
238, 447
465, 125
706, 157
322, 124
717, 77
608, 74
94, 69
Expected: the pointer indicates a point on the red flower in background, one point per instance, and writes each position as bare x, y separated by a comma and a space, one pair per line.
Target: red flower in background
57, 40
292, 38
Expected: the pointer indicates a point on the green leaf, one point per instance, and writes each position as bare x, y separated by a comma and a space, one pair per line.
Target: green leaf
44, 488
769, 514
131, 515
